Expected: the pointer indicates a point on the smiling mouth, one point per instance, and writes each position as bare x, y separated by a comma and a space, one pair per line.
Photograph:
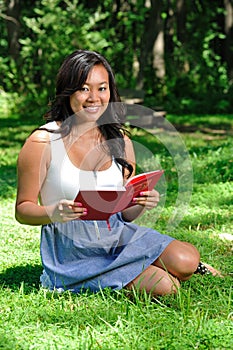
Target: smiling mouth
92, 109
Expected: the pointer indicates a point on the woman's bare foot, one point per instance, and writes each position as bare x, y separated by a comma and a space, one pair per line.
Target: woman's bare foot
212, 270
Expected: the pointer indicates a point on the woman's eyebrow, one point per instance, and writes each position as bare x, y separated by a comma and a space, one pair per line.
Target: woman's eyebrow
103, 82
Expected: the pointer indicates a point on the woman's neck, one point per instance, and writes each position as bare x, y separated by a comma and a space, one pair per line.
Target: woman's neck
88, 128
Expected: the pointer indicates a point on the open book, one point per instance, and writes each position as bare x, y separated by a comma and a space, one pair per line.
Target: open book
102, 202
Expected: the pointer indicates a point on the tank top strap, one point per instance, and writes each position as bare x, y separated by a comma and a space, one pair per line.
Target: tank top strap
58, 151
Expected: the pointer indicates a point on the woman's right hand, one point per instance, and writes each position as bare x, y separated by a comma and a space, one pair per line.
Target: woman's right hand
66, 210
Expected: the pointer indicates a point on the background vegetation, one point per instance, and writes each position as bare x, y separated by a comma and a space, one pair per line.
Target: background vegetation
178, 53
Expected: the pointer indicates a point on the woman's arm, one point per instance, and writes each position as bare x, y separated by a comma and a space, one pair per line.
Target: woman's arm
147, 200
33, 162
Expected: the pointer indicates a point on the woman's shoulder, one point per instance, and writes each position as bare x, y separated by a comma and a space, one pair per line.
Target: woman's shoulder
36, 145
43, 132
50, 126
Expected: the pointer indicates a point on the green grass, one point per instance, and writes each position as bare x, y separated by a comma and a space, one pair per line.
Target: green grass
199, 317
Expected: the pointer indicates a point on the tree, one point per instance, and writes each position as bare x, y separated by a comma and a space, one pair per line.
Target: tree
180, 53
152, 37
181, 18
228, 49
13, 27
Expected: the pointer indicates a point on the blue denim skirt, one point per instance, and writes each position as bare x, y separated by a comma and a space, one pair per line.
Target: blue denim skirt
91, 255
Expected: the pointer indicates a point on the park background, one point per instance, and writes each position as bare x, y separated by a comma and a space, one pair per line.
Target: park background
172, 56
178, 53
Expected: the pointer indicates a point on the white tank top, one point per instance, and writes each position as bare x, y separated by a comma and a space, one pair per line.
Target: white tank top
64, 179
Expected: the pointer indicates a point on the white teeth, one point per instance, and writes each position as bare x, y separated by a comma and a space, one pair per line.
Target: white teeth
92, 108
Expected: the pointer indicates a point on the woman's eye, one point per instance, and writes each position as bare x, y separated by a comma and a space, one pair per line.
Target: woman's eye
102, 88
84, 88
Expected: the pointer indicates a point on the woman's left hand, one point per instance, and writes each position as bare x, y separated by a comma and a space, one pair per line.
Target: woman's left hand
148, 199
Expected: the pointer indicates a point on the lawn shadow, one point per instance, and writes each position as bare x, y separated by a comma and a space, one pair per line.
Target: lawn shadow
14, 132
223, 129
207, 124
8, 181
28, 275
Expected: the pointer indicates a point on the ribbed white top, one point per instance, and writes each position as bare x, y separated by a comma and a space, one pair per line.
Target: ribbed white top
64, 179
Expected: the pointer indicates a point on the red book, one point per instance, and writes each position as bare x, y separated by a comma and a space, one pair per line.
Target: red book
102, 202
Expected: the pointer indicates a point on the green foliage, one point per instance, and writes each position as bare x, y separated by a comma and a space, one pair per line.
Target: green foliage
200, 83
197, 75
55, 32
52, 32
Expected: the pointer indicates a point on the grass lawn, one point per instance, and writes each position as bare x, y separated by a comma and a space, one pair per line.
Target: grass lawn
197, 207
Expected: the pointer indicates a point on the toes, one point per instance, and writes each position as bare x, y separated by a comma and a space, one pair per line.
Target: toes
213, 271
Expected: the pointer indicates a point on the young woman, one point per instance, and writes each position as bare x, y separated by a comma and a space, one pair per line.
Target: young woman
83, 144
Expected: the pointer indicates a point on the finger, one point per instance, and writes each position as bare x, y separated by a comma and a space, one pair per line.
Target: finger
140, 200
144, 193
77, 207
66, 207
77, 204
66, 202
147, 202
70, 208
147, 199
72, 216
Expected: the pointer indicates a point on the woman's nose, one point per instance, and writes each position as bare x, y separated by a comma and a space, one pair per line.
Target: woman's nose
93, 95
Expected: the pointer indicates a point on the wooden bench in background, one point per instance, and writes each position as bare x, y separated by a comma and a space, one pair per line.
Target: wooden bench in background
140, 116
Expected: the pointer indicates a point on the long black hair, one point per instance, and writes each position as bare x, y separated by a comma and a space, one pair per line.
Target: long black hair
71, 77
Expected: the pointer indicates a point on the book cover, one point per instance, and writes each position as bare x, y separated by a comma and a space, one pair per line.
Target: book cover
101, 203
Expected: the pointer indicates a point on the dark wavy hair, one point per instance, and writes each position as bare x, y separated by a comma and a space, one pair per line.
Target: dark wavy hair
71, 77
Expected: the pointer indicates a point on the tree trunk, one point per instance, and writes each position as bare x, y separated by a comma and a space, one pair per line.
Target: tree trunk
229, 38
158, 56
181, 21
169, 30
13, 27
151, 55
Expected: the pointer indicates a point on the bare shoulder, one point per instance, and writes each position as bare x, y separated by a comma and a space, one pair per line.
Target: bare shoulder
36, 146
42, 134
39, 135
39, 139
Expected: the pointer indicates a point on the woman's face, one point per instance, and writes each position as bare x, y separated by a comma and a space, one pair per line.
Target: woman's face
92, 99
